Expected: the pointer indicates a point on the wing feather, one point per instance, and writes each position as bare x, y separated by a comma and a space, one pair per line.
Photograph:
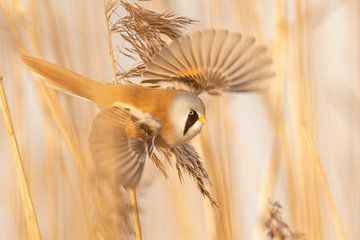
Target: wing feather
215, 60
223, 42
119, 142
197, 39
176, 52
185, 53
230, 50
188, 46
217, 46
162, 67
166, 60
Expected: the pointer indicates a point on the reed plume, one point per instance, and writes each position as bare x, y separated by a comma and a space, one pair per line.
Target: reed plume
143, 33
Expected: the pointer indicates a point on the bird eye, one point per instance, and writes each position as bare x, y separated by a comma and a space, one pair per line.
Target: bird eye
191, 112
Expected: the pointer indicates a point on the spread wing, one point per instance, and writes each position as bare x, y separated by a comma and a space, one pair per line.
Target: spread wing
211, 61
121, 138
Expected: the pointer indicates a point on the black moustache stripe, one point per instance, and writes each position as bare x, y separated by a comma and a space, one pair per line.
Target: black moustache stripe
191, 120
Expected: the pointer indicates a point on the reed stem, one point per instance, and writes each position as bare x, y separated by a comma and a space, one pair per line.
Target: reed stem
109, 38
132, 192
135, 214
30, 217
339, 228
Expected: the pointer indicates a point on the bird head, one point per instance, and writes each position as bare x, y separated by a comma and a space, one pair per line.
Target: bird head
187, 117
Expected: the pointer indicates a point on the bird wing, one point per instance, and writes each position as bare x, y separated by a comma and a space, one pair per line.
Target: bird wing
122, 138
211, 61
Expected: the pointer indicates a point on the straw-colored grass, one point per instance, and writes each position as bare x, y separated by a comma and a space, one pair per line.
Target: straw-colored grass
28, 206
107, 12
136, 217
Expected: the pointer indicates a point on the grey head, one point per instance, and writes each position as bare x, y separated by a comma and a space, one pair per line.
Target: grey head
187, 116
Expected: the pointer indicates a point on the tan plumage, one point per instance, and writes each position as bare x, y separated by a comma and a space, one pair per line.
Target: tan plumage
165, 110
104, 95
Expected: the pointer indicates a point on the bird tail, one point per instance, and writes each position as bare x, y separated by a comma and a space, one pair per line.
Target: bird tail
66, 80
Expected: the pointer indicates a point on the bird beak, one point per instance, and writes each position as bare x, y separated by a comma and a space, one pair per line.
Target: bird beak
202, 119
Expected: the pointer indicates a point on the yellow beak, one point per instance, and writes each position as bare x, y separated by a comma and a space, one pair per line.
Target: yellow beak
202, 119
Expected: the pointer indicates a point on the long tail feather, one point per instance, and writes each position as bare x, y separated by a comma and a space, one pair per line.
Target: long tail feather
66, 80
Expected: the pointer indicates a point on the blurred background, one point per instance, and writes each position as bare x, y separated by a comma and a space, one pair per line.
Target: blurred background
298, 144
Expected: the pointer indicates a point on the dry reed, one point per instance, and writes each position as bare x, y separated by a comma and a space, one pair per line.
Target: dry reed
136, 217
309, 190
144, 32
276, 227
33, 231
108, 11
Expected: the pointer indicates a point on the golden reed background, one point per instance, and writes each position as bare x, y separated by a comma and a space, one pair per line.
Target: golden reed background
298, 144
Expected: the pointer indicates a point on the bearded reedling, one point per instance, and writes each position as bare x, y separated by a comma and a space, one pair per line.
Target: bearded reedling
164, 111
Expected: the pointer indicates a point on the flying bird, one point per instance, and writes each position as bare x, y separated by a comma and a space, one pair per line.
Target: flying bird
164, 111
